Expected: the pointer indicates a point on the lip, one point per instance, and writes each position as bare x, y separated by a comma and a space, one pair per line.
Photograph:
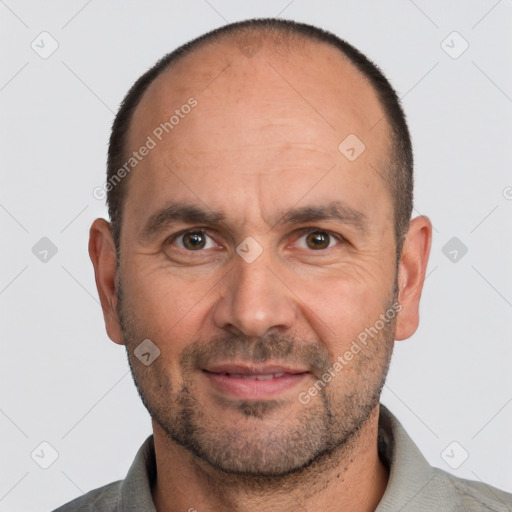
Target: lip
253, 382
245, 369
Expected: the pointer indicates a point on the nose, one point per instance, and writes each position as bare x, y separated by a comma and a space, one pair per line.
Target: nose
254, 300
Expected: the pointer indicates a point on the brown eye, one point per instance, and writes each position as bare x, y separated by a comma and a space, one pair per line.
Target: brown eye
193, 240
318, 240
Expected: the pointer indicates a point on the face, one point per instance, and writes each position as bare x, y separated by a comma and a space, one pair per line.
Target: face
255, 255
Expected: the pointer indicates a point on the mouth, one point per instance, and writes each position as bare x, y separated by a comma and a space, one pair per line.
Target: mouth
253, 382
265, 376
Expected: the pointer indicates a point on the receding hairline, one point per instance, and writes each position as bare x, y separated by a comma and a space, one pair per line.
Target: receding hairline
273, 41
281, 43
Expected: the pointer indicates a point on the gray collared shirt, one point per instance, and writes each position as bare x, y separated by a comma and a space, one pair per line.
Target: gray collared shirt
413, 486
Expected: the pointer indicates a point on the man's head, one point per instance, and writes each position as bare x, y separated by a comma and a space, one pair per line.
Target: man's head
251, 242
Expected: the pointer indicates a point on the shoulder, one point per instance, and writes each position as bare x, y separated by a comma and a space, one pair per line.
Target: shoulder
133, 493
471, 495
415, 485
102, 499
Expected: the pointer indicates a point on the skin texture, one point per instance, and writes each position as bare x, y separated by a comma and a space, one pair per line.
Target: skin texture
262, 140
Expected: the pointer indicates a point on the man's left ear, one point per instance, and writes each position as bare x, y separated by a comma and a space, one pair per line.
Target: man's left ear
411, 275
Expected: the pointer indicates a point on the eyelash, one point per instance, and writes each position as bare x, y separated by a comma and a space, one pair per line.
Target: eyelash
301, 232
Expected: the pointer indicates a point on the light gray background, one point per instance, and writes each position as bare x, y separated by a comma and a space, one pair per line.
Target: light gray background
64, 382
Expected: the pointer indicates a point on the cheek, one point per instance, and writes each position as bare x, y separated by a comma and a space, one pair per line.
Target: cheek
165, 308
342, 303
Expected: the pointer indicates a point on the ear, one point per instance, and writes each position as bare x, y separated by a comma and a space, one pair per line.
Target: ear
411, 275
103, 256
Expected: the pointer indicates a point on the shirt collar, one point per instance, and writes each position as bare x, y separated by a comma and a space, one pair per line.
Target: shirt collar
135, 492
411, 479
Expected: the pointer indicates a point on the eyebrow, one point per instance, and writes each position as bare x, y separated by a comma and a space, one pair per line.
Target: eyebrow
336, 210
179, 212
193, 214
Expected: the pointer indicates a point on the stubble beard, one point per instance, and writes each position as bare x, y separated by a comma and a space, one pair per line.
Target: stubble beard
266, 444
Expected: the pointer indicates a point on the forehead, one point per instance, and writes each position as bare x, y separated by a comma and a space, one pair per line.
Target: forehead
264, 124
314, 82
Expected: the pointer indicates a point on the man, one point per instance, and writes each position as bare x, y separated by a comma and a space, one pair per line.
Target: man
259, 264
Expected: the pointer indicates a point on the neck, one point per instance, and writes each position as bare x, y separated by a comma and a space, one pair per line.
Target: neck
352, 477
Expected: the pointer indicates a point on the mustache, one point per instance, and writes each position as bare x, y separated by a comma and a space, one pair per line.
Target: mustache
272, 347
